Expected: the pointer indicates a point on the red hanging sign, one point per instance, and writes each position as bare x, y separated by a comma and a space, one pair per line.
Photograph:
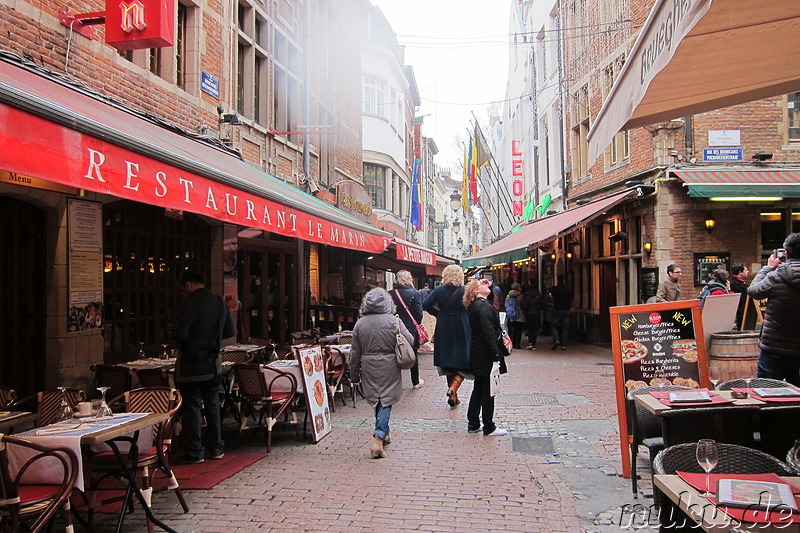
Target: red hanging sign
137, 24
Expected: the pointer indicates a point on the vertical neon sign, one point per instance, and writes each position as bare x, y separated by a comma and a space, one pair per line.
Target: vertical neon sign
517, 189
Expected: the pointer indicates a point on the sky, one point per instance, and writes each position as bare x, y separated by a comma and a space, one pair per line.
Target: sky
459, 52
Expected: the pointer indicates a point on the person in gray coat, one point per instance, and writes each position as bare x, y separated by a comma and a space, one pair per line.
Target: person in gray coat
452, 335
779, 281
373, 363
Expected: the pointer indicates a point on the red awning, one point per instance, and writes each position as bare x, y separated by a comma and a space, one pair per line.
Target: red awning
544, 230
53, 131
414, 253
741, 183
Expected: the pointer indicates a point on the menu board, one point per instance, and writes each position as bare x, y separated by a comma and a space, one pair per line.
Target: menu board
654, 344
316, 390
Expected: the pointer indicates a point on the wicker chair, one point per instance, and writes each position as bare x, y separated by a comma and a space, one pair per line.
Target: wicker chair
48, 404
153, 377
266, 394
284, 352
20, 501
779, 428
731, 425
337, 375
105, 464
761, 383
117, 378
7, 396
645, 429
733, 459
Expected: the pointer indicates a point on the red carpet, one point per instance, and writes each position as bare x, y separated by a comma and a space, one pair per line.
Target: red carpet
191, 477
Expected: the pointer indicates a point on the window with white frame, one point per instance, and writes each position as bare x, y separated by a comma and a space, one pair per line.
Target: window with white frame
793, 116
374, 96
579, 119
619, 150
375, 184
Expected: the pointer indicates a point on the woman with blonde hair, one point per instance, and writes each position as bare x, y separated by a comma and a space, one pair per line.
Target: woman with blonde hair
484, 322
408, 303
451, 339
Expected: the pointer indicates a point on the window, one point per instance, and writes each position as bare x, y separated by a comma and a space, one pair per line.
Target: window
374, 96
375, 184
579, 118
286, 85
793, 112
619, 149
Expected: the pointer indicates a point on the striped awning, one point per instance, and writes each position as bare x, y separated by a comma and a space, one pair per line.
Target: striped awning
729, 183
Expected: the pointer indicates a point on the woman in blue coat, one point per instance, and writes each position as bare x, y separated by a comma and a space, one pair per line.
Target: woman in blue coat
408, 304
451, 340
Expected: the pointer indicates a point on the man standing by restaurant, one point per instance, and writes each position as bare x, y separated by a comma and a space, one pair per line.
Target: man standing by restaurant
204, 322
779, 282
739, 275
669, 290
562, 301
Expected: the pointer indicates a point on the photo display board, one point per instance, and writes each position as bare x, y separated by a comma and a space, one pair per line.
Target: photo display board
316, 390
651, 337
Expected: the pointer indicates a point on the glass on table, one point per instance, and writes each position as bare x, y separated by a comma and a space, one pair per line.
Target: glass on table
103, 409
748, 380
65, 410
707, 459
793, 457
142, 355
164, 353
660, 376
714, 376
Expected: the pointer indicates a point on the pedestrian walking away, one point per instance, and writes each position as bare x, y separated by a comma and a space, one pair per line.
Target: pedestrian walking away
532, 305
515, 317
562, 301
484, 330
408, 303
452, 335
373, 363
669, 290
204, 321
779, 282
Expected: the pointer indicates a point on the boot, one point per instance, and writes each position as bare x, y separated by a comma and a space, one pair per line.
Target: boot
387, 440
453, 391
450, 401
376, 450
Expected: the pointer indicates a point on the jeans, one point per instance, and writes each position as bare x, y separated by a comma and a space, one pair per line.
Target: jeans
559, 326
415, 370
779, 367
481, 405
193, 394
534, 325
382, 415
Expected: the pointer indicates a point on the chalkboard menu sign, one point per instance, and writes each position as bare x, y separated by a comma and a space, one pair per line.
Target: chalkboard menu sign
705, 264
654, 344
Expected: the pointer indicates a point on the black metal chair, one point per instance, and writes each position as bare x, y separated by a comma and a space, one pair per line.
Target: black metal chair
760, 383
645, 429
732, 459
779, 427
731, 425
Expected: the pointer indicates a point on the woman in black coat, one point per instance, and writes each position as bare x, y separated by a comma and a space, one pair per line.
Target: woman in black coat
408, 303
485, 326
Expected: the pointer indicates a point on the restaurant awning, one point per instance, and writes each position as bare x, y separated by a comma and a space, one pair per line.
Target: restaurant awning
402, 254
58, 132
696, 56
730, 183
514, 247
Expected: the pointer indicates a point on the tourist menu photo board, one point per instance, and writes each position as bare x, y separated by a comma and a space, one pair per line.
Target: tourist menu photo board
654, 344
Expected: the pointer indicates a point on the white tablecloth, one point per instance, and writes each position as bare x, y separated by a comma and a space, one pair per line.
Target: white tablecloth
68, 434
292, 367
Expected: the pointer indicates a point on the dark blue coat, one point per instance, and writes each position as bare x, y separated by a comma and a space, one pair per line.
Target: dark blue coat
451, 339
414, 303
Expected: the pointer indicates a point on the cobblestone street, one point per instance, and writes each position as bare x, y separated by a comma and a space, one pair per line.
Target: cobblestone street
557, 470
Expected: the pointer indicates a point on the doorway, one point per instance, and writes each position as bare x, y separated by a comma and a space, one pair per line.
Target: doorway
22, 291
268, 294
608, 298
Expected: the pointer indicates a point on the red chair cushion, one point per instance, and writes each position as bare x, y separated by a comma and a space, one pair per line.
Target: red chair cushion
30, 494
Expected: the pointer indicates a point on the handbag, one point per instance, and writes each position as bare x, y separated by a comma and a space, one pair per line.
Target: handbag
494, 379
403, 350
504, 343
422, 334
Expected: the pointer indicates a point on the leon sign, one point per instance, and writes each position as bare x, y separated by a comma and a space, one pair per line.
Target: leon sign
137, 24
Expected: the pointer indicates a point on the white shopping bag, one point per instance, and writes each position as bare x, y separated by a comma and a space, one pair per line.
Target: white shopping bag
494, 379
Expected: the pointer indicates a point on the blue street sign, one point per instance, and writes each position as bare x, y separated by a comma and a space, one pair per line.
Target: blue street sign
209, 84
723, 154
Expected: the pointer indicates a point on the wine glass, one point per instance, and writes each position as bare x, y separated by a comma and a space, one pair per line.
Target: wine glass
661, 378
714, 376
142, 355
65, 411
104, 409
748, 379
164, 354
793, 458
707, 459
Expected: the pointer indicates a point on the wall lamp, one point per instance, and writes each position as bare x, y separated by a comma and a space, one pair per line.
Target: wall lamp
710, 222
647, 245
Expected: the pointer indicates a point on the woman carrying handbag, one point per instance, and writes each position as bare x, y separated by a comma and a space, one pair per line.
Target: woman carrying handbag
408, 302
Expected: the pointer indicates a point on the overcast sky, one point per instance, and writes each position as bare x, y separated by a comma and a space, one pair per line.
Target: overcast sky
459, 52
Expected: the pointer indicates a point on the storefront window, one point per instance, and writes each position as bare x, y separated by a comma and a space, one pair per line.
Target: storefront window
773, 229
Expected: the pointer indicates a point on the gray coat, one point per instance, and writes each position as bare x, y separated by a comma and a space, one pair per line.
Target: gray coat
372, 358
780, 333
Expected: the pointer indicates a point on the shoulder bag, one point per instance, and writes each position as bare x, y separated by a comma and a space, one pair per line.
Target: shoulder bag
422, 334
403, 350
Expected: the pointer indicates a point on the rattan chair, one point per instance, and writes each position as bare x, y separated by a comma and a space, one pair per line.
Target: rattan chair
760, 383
645, 429
779, 428
730, 424
7, 396
235, 357
105, 464
732, 459
153, 377
337, 375
48, 404
261, 399
284, 352
117, 378
20, 501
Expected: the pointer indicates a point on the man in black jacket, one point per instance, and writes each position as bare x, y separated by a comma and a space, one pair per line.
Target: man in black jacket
204, 322
779, 281
739, 275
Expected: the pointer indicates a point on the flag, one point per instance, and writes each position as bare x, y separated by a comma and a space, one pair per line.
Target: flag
465, 184
483, 150
473, 171
416, 205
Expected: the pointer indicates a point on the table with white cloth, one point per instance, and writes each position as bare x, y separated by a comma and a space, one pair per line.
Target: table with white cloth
10, 419
291, 367
150, 362
252, 350
93, 435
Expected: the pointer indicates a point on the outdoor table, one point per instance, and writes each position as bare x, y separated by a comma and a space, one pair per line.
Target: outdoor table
655, 406
251, 349
291, 367
707, 515
150, 362
10, 419
89, 435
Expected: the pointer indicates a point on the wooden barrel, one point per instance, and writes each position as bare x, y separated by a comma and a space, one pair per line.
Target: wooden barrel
735, 353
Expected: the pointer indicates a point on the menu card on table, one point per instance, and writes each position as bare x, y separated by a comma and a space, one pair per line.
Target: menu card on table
755, 494
779, 392
690, 396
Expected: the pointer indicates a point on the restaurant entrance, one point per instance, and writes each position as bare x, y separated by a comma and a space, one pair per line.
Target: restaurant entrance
22, 285
267, 291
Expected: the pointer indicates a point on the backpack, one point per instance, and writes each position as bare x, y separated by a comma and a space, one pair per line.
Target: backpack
512, 308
